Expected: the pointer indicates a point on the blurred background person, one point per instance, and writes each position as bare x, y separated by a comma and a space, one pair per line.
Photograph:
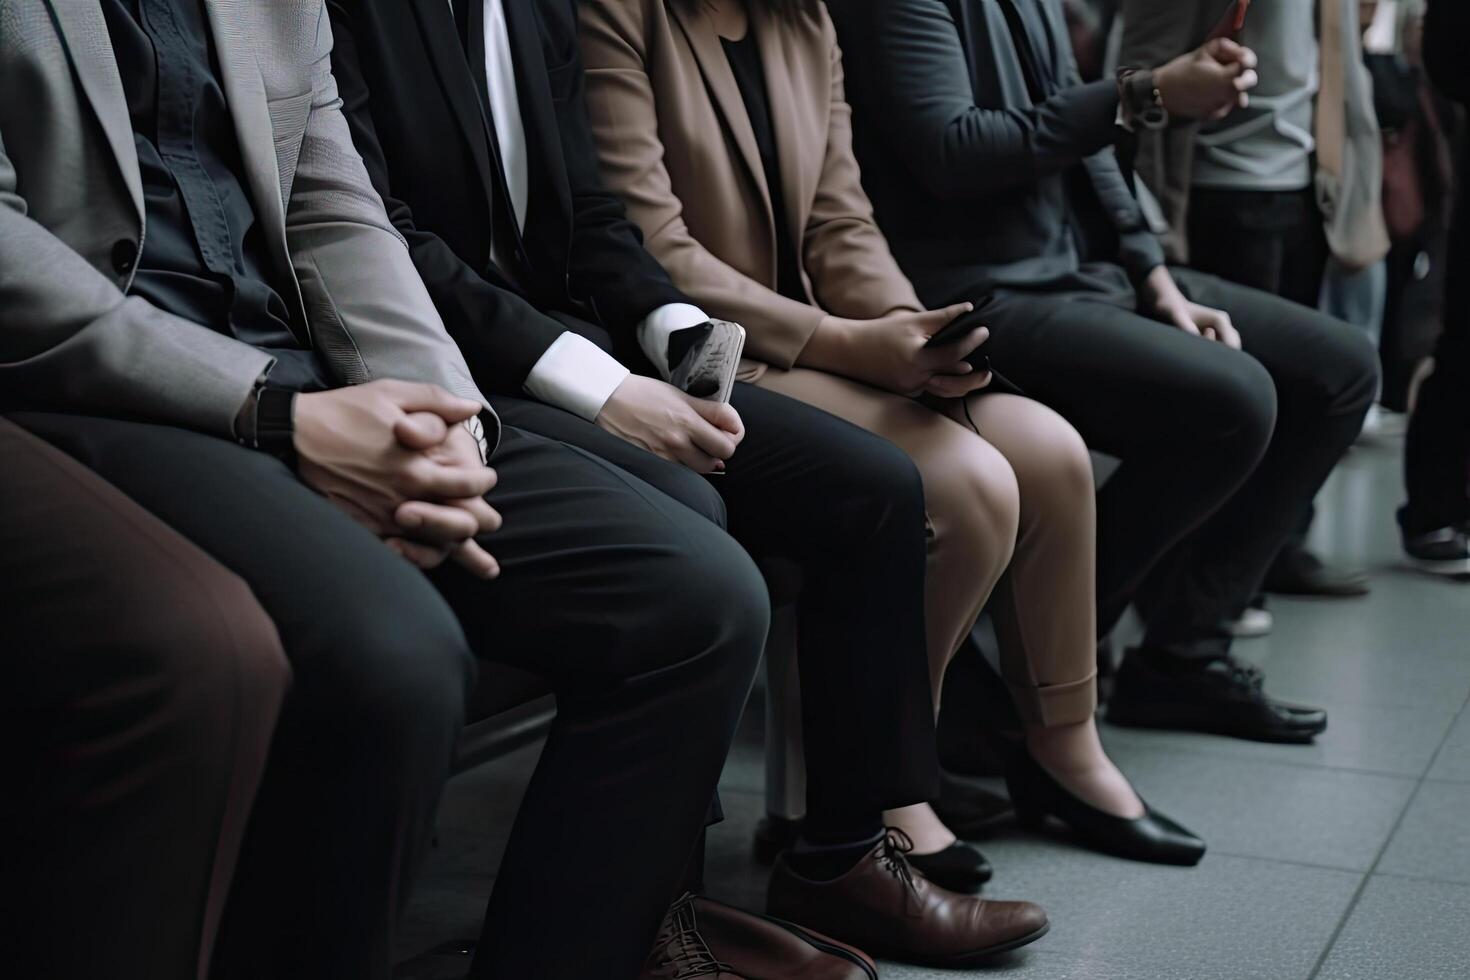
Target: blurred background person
1436, 518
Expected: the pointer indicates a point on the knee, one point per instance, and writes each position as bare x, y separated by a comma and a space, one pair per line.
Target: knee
882, 493
1236, 409
1352, 373
1053, 464
712, 600
976, 502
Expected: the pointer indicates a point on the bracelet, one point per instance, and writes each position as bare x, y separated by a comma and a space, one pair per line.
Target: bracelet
1141, 102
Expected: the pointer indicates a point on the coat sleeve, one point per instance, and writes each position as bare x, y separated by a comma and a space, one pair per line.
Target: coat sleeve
853, 272
364, 298
925, 108
71, 340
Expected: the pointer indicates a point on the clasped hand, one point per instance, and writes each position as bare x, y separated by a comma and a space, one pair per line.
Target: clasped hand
394, 456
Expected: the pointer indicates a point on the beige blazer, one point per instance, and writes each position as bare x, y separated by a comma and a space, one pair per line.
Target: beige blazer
72, 214
676, 143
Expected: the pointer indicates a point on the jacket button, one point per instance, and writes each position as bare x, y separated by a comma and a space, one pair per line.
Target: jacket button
124, 254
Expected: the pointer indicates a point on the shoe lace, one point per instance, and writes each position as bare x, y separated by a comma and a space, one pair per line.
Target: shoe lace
893, 855
1245, 675
681, 948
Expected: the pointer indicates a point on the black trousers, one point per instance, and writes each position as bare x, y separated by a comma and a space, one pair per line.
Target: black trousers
647, 619
140, 683
1437, 450
847, 507
1221, 450
1268, 240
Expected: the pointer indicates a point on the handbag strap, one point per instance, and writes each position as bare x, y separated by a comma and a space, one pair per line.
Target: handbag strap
1330, 121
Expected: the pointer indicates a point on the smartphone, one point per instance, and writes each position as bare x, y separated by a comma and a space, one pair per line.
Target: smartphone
1231, 23
955, 330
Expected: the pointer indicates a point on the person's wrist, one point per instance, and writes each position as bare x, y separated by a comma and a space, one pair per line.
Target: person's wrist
1141, 97
829, 344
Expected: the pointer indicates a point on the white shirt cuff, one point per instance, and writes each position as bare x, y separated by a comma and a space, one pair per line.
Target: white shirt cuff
577, 375
654, 331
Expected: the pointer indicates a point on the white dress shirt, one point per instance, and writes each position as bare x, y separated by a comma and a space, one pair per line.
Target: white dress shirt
574, 373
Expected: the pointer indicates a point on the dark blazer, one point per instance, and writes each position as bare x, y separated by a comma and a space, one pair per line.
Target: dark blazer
973, 183
415, 114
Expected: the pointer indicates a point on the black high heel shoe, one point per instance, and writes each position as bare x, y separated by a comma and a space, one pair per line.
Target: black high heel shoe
1152, 837
959, 867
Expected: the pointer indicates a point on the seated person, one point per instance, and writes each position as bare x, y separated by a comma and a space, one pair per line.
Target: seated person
992, 171
773, 229
486, 163
206, 305
140, 682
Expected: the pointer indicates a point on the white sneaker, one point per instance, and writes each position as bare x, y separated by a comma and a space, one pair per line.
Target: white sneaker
1251, 624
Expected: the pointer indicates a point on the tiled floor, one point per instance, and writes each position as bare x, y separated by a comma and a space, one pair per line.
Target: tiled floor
1345, 860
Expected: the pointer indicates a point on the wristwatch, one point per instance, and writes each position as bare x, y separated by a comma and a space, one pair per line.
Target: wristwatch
476, 428
1140, 103
267, 422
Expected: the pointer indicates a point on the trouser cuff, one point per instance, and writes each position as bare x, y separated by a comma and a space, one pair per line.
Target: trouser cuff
1050, 705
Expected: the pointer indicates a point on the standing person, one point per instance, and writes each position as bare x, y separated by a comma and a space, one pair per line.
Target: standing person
773, 227
140, 682
470, 117
992, 171
1270, 194
203, 302
1436, 518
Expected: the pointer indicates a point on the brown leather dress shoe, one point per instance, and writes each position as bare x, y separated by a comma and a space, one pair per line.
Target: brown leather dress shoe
894, 912
704, 938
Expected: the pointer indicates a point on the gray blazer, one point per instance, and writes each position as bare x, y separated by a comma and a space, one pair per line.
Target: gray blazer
1155, 31
70, 336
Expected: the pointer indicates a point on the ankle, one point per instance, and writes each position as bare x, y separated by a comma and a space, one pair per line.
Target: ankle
826, 862
923, 827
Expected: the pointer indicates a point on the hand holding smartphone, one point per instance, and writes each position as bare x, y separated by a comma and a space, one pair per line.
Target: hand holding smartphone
960, 327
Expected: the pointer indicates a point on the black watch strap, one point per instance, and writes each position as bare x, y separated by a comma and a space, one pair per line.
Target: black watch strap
275, 427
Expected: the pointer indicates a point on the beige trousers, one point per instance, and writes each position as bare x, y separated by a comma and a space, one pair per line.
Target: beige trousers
1012, 512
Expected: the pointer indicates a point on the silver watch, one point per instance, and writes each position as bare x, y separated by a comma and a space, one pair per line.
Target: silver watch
476, 428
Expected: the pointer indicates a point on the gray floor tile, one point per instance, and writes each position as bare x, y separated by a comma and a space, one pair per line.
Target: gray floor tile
1371, 738
1433, 840
1436, 676
1453, 761
1225, 919
1291, 828
1254, 808
1401, 928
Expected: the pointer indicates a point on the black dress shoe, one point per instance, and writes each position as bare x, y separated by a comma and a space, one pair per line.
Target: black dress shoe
1152, 837
1296, 571
959, 867
1445, 551
1219, 697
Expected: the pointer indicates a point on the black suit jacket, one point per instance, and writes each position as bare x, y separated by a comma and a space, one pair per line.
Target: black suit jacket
974, 183
415, 114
